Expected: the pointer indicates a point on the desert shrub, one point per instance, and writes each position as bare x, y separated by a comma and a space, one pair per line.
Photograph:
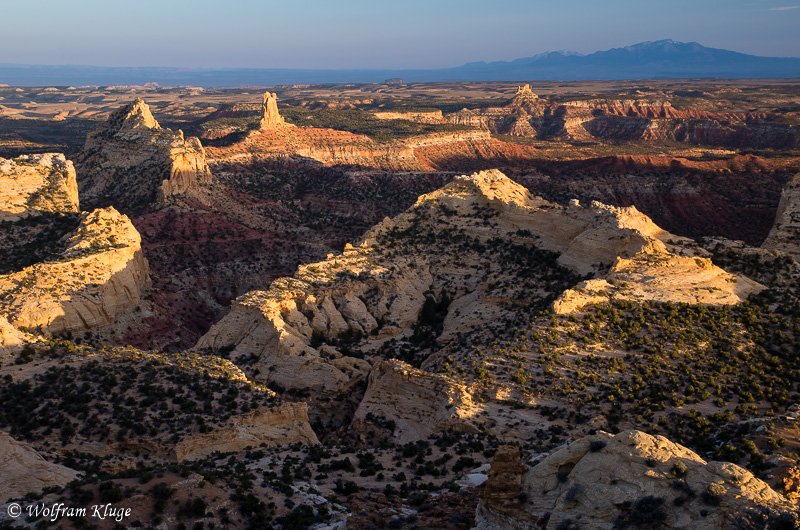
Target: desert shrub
300, 517
679, 469
596, 445
713, 494
346, 487
572, 493
647, 512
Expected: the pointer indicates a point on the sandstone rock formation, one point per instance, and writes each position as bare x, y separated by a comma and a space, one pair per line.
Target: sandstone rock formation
286, 424
590, 239
434, 116
133, 163
785, 233
419, 404
99, 273
660, 276
270, 117
274, 326
12, 340
329, 147
524, 93
34, 184
371, 293
25, 471
631, 479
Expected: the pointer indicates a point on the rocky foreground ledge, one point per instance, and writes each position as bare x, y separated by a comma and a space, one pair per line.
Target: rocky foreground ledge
628, 480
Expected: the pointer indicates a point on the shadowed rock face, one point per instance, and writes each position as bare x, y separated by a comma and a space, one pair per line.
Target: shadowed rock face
630, 479
24, 470
99, 274
135, 164
785, 231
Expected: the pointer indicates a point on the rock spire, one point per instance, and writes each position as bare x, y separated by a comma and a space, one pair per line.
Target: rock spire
270, 118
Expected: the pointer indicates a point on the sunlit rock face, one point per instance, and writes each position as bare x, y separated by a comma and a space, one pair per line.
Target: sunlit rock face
133, 163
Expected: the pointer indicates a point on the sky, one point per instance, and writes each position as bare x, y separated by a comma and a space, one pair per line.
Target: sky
391, 34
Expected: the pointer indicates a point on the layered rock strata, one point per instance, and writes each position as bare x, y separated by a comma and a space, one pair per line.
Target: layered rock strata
332, 147
418, 116
628, 119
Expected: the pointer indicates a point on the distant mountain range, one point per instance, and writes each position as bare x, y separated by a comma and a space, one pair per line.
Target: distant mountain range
646, 60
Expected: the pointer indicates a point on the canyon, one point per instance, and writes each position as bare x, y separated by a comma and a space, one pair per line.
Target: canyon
545, 310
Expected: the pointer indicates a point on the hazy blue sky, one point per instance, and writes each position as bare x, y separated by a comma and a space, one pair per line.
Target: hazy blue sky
374, 33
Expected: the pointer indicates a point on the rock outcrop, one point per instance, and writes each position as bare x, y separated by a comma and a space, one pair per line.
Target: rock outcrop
277, 326
12, 340
36, 184
525, 95
663, 277
417, 403
286, 424
270, 117
592, 239
100, 272
631, 479
133, 163
374, 291
434, 116
785, 233
25, 471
